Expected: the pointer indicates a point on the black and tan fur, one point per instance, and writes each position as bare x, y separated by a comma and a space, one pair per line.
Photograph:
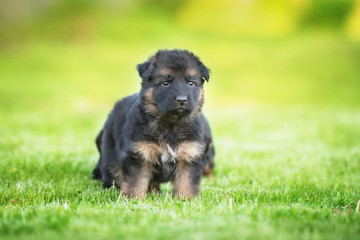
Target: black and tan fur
159, 134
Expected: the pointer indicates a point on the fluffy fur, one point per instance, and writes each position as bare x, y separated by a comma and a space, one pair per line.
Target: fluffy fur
159, 134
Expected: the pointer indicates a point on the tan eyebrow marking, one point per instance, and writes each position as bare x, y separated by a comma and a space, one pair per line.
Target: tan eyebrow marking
165, 71
192, 72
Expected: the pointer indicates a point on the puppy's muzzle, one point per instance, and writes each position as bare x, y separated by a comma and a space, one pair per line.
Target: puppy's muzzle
181, 100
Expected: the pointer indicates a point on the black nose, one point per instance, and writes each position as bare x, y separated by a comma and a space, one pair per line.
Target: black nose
182, 99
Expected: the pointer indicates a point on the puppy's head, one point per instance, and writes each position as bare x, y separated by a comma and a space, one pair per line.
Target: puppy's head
172, 84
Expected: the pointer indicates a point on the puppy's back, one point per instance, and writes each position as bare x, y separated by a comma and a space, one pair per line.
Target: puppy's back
121, 111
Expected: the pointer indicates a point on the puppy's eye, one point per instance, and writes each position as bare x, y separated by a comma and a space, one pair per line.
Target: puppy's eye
165, 84
190, 83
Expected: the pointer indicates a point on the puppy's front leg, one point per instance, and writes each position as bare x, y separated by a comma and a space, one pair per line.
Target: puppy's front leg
187, 179
136, 177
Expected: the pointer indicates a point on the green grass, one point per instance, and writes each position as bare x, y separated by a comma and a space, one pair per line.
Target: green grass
284, 169
287, 159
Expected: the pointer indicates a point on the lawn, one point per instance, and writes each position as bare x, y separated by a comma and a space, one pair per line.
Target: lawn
286, 125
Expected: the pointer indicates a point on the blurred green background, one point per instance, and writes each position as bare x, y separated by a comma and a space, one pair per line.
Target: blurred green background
283, 101
81, 54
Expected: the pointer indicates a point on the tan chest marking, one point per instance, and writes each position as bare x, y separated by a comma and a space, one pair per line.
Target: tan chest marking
155, 152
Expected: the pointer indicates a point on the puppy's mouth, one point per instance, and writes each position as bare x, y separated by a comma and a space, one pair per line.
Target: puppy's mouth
179, 112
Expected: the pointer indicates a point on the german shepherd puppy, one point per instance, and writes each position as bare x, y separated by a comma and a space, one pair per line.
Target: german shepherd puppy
159, 134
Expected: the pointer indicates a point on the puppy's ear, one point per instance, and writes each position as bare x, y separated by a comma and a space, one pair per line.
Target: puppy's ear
205, 72
145, 69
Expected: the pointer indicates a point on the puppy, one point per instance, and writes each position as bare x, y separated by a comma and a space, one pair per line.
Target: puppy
159, 134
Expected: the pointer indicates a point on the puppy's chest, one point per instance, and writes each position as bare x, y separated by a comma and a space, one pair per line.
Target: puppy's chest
163, 153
